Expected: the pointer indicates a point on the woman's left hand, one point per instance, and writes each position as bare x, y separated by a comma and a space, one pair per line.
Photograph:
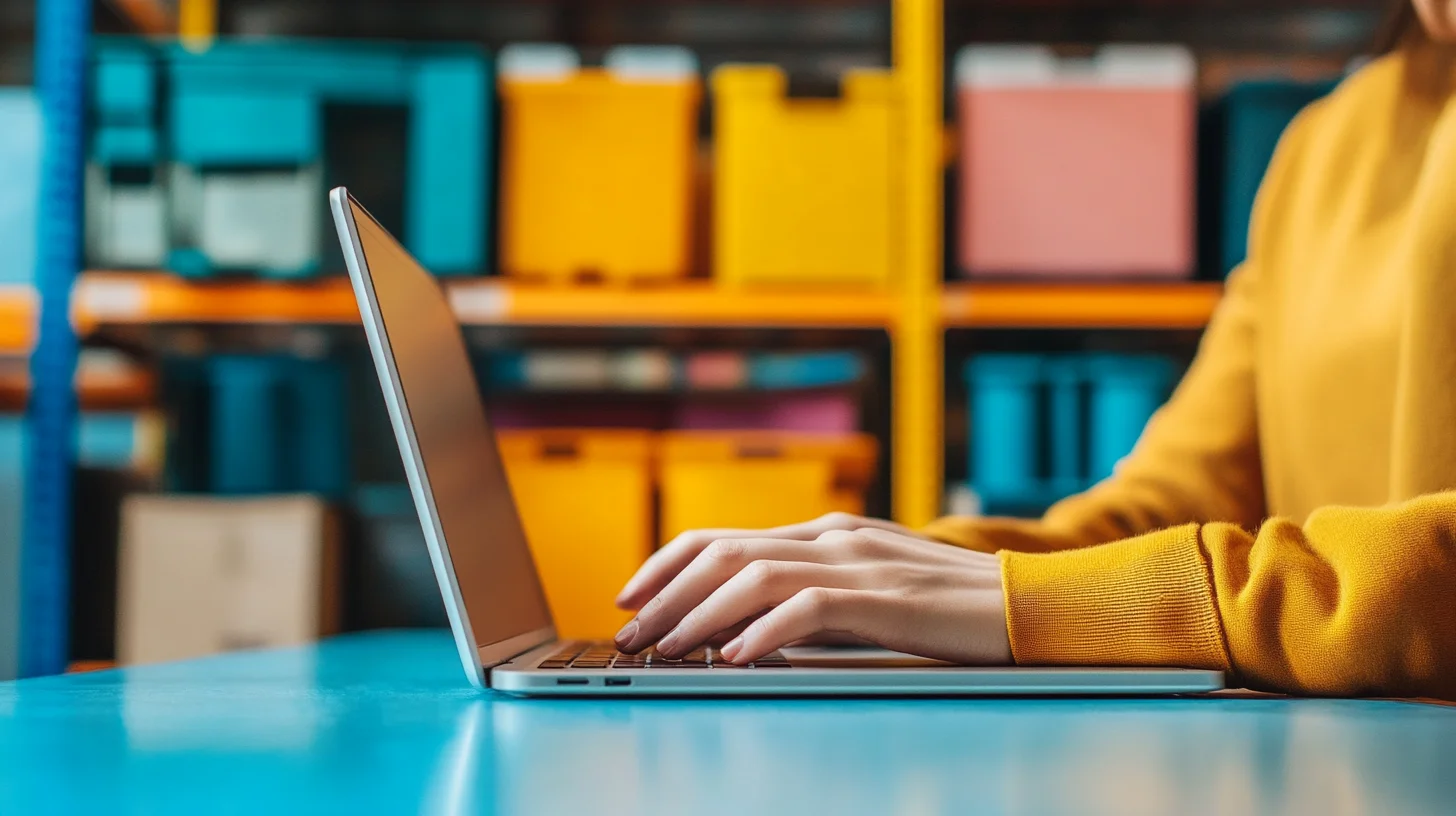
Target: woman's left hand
896, 591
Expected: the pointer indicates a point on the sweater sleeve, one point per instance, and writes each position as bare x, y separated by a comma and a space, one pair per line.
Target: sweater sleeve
1358, 601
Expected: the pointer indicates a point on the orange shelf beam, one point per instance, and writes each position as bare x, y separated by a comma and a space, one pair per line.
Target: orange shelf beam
697, 303
97, 390
158, 297
17, 319
154, 297
1079, 305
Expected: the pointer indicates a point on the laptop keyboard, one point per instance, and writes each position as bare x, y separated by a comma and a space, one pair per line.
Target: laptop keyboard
604, 655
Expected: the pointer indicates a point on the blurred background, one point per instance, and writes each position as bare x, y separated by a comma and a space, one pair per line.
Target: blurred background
718, 264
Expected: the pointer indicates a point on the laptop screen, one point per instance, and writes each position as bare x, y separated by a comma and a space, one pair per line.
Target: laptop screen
483, 535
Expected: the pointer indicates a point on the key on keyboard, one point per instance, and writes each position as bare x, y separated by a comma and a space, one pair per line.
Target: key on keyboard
604, 655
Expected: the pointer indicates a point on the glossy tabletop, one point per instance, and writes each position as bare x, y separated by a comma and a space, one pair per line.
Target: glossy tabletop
385, 723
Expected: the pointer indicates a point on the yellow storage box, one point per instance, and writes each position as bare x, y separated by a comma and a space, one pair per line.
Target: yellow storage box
757, 479
804, 189
585, 498
597, 163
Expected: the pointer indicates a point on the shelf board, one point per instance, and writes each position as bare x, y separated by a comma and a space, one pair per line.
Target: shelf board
1056, 305
695, 303
17, 319
98, 390
159, 297
130, 298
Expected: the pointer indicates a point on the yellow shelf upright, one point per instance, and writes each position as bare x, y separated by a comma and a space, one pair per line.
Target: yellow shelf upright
917, 467
197, 23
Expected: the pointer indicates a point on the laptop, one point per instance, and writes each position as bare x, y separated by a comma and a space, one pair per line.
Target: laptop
493, 597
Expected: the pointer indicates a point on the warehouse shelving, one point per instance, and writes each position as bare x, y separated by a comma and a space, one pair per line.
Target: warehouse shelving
916, 312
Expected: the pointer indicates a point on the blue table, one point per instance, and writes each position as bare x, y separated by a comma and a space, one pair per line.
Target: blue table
384, 723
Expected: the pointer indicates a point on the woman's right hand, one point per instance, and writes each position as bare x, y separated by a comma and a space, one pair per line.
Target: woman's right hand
666, 563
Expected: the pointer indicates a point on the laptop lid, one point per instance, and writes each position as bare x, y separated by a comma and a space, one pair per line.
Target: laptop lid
492, 593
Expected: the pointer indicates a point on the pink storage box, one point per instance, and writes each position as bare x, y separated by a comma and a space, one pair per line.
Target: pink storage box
811, 413
1077, 167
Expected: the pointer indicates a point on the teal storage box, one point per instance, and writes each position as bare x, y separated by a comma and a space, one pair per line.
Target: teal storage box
1006, 435
1125, 391
1255, 114
1043, 427
247, 123
20, 138
277, 425
125, 201
447, 189
124, 87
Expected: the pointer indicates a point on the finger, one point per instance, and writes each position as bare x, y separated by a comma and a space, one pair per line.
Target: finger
733, 631
664, 565
759, 586
809, 612
717, 563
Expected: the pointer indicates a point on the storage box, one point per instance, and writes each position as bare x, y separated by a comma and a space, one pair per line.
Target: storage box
200, 576
278, 424
1076, 167
1045, 426
760, 479
126, 206
1255, 114
20, 138
213, 161
596, 163
585, 498
805, 190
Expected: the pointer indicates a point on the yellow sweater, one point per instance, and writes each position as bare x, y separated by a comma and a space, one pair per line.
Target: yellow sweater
1323, 399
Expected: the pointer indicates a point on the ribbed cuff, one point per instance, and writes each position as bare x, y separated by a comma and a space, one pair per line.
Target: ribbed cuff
1145, 601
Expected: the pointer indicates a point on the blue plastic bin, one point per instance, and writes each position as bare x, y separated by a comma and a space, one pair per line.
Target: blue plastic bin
1005, 428
20, 138
126, 213
246, 109
278, 425
1045, 427
318, 413
1125, 392
1255, 116
247, 424
1066, 385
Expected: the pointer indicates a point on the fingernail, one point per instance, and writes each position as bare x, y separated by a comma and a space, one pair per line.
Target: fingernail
733, 648
667, 647
624, 637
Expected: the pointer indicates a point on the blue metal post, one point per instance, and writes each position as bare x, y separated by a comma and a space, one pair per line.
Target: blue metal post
62, 29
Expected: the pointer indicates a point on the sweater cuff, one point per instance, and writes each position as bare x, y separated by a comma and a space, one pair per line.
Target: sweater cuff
1145, 601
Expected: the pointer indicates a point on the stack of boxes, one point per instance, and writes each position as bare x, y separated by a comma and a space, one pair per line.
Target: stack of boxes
228, 172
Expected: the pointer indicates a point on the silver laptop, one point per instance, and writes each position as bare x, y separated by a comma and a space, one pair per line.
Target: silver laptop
493, 596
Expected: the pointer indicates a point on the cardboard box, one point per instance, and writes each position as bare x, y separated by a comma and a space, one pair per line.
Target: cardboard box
203, 575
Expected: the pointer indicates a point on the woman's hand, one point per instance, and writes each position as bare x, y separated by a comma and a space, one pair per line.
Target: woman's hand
877, 583
667, 562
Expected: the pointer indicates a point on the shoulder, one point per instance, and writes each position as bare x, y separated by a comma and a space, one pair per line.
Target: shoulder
1357, 109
